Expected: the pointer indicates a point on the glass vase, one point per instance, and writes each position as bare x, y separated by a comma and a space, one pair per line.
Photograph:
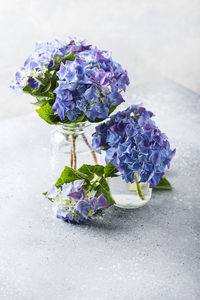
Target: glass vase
71, 146
126, 195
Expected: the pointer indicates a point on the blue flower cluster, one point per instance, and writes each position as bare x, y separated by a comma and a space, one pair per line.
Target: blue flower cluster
89, 85
88, 81
134, 145
73, 205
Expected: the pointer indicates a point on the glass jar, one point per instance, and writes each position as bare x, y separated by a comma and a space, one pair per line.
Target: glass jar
71, 146
126, 195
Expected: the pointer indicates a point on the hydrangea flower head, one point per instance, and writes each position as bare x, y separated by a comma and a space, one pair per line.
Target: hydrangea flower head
134, 144
73, 205
90, 84
84, 80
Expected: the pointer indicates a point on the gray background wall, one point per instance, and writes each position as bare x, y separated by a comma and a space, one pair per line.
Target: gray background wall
151, 38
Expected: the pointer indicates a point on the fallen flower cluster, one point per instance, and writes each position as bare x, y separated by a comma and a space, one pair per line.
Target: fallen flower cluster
73, 204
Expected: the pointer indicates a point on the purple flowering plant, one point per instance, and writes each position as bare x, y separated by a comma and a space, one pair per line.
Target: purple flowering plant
79, 195
73, 204
72, 81
135, 147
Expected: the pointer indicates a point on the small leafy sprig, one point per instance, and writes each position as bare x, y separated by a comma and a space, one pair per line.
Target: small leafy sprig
163, 184
95, 177
80, 194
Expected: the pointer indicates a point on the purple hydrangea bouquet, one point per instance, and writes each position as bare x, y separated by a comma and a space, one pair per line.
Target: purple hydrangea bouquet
135, 147
74, 83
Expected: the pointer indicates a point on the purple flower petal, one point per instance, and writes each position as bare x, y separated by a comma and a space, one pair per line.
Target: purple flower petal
99, 203
52, 193
33, 82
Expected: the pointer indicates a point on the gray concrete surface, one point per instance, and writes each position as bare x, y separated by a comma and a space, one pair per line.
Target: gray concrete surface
148, 253
148, 37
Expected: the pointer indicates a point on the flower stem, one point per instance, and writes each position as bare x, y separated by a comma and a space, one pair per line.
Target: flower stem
94, 183
90, 147
71, 159
139, 188
74, 151
66, 136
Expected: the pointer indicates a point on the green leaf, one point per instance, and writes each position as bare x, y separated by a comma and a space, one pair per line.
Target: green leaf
70, 56
163, 184
50, 199
47, 114
91, 170
29, 90
110, 170
70, 175
54, 80
112, 108
59, 59
103, 188
41, 100
45, 87
43, 91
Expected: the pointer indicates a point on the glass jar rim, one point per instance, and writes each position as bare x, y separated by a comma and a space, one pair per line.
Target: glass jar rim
72, 128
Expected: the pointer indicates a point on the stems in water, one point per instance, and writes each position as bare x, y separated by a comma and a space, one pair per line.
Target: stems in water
71, 159
90, 147
74, 151
139, 188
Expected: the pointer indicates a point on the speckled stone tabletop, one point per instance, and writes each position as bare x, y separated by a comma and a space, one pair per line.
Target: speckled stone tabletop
147, 253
